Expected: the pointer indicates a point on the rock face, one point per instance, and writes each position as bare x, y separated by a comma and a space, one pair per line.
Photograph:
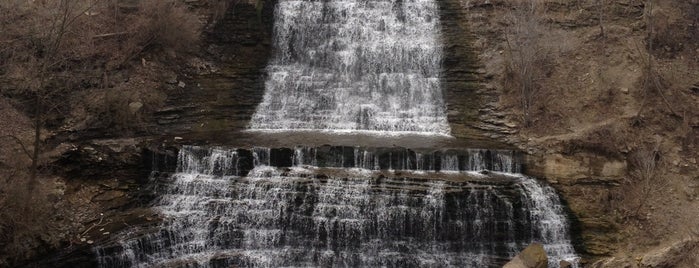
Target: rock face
238, 47
574, 177
533, 256
461, 77
679, 254
578, 168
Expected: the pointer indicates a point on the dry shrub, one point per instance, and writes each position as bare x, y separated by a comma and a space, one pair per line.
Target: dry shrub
606, 141
50, 49
637, 191
167, 25
37, 38
84, 34
672, 31
528, 60
113, 111
155, 26
655, 88
28, 220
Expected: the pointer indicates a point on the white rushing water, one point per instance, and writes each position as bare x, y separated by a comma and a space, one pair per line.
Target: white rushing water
347, 66
547, 213
355, 65
218, 213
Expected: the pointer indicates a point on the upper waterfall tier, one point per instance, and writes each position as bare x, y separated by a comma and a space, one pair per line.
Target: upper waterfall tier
355, 65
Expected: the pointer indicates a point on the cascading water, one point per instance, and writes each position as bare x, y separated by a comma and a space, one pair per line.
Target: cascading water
347, 66
226, 208
370, 65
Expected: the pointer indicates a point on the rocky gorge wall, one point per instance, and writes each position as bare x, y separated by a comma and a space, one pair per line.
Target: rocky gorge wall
207, 105
220, 100
239, 46
594, 115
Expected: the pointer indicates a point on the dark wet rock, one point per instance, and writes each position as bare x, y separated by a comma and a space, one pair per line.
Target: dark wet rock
695, 88
109, 195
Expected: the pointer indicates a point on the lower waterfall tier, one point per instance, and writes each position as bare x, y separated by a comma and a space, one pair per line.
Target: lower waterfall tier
321, 217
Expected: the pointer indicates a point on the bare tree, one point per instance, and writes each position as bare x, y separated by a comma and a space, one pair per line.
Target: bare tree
600, 16
52, 47
50, 50
652, 77
527, 54
41, 50
643, 183
645, 163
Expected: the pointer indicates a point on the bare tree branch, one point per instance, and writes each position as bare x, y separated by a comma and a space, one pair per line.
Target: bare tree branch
24, 148
527, 53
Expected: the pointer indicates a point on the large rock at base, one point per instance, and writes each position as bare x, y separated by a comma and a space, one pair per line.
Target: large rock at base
565, 264
534, 256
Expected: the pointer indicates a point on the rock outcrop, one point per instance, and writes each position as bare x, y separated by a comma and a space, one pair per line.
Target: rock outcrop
533, 256
684, 253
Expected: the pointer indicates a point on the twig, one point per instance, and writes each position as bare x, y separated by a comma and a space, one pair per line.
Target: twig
657, 88
93, 226
24, 148
110, 34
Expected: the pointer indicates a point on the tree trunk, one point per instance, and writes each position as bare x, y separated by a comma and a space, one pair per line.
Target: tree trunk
37, 144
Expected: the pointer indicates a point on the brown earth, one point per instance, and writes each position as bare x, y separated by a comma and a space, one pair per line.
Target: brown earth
593, 115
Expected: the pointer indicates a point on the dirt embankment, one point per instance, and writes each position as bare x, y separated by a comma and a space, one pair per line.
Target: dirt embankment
612, 121
96, 82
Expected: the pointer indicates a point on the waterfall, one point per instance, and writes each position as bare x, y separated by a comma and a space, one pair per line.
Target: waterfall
547, 212
355, 65
329, 215
368, 66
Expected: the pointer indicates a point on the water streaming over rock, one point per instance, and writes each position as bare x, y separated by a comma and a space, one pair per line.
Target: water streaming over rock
547, 212
370, 65
233, 207
347, 65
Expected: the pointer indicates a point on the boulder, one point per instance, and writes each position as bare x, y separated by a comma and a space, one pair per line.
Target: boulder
565, 264
534, 256
134, 107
